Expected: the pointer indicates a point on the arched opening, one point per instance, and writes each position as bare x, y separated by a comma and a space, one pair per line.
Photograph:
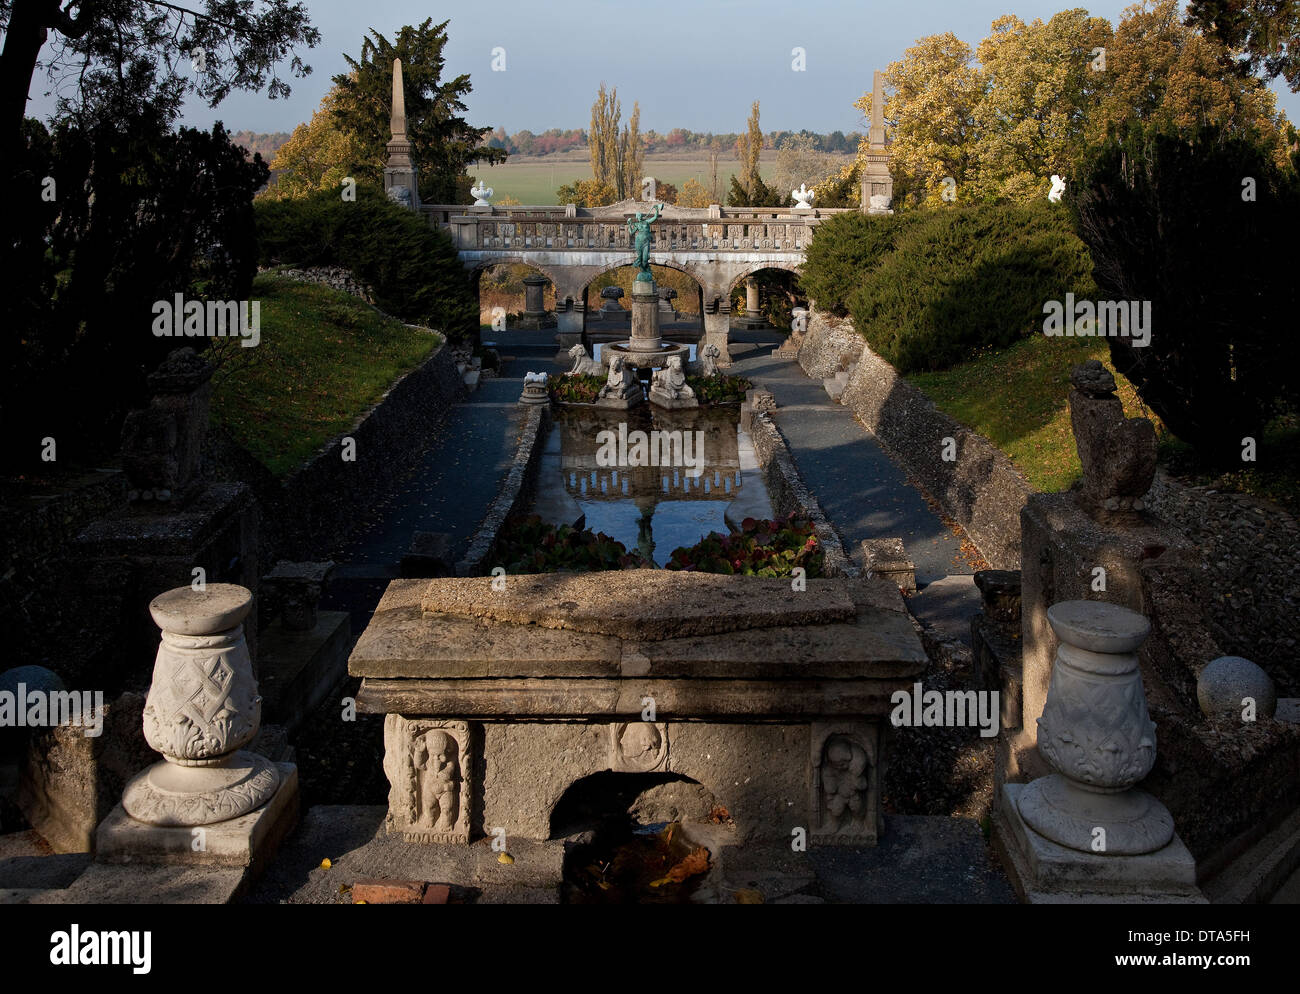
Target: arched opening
609, 297
766, 298
515, 296
629, 838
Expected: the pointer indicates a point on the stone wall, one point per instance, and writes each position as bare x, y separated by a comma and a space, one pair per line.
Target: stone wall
980, 489
515, 494
327, 502
789, 493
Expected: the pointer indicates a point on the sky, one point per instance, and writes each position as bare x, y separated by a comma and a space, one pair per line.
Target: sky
695, 64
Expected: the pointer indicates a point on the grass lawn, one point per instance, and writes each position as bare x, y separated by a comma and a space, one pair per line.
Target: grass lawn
534, 179
324, 358
1019, 400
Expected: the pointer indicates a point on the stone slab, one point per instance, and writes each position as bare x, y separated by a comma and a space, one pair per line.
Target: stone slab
248, 841
109, 884
1045, 872
644, 604
562, 699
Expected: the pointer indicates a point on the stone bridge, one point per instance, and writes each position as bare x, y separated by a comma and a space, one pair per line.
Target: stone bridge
717, 246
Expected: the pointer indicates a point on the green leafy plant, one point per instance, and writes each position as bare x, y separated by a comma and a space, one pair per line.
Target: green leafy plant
759, 548
580, 388
529, 545
719, 389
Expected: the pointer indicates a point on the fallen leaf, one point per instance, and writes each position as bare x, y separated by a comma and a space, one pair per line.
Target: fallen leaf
694, 863
505, 858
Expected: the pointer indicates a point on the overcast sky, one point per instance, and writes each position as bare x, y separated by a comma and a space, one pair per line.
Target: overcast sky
695, 64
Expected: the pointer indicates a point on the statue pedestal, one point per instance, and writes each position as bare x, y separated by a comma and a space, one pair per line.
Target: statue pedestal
645, 317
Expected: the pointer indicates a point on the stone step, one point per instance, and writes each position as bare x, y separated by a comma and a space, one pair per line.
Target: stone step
1260, 872
835, 387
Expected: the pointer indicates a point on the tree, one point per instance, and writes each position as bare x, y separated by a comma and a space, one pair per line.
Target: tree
748, 148
694, 194
632, 156
798, 161
587, 193
1169, 75
317, 156
443, 144
126, 53
602, 140
1039, 92
1222, 350
1265, 31
930, 108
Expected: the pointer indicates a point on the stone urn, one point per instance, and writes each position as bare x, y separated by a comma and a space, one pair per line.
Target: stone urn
201, 709
1096, 734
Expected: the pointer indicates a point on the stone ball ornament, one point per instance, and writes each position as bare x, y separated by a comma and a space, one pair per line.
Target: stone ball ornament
1229, 682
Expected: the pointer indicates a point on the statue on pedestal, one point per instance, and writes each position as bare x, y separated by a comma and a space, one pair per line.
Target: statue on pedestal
639, 228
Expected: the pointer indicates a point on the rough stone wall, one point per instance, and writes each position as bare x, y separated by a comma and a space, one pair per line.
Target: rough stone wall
789, 493
515, 494
830, 345
981, 490
328, 501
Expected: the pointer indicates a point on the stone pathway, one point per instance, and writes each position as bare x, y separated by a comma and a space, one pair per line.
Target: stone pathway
859, 487
457, 480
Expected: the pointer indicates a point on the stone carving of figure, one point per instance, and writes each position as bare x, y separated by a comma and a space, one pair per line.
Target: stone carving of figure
436, 780
671, 381
639, 229
400, 195
621, 382
583, 364
844, 782
708, 364
879, 202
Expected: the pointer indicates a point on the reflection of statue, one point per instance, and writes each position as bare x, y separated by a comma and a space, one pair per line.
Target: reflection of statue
435, 780
671, 382
844, 782
583, 364
639, 228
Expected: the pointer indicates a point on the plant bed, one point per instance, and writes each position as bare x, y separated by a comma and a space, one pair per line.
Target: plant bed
529, 545
759, 548
578, 388
719, 389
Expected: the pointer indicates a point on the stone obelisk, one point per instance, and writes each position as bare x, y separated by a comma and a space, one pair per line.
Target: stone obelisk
876, 181
400, 175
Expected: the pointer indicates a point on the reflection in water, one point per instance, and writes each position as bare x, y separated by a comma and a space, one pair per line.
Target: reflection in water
654, 508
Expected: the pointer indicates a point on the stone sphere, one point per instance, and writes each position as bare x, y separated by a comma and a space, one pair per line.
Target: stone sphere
1227, 680
35, 679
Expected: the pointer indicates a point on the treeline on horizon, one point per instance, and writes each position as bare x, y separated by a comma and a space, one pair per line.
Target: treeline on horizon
555, 140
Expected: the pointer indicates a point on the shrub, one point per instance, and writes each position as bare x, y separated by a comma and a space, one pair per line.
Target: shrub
759, 548
530, 545
959, 280
846, 248
412, 267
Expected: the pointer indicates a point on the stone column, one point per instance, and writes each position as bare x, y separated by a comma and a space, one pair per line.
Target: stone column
751, 299
717, 329
645, 317
534, 305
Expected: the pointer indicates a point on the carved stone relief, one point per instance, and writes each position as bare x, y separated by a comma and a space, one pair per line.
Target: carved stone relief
429, 768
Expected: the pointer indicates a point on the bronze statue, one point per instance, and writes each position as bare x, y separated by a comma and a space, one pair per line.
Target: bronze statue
639, 228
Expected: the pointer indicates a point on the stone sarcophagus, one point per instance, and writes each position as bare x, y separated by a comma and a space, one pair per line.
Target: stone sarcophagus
774, 700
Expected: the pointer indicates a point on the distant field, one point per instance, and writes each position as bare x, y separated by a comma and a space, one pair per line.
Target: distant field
534, 180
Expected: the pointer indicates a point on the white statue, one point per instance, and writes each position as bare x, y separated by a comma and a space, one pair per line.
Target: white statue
879, 203
621, 383
482, 193
583, 364
804, 196
707, 365
535, 378
670, 382
1058, 188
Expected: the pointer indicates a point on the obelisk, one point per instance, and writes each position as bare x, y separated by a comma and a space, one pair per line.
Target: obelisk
401, 180
876, 181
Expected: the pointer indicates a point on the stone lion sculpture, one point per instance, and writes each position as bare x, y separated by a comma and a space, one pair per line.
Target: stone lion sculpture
583, 364
670, 382
707, 364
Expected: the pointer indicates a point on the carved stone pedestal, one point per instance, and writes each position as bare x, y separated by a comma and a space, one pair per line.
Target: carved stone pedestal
1096, 734
202, 708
